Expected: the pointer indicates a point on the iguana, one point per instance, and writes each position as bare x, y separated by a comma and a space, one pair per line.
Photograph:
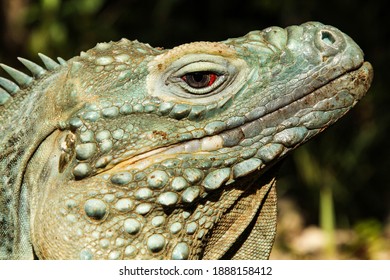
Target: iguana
134, 152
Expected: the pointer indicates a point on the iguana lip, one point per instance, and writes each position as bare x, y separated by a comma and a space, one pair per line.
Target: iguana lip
355, 81
361, 76
141, 161
305, 90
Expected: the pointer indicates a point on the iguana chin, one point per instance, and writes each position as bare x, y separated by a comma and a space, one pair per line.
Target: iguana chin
134, 152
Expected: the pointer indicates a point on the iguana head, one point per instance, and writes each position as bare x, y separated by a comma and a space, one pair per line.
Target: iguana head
150, 153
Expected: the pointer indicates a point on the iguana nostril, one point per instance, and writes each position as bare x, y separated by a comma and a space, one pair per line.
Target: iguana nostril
327, 37
330, 41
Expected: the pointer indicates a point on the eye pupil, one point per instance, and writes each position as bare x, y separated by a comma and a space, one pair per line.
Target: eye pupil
200, 79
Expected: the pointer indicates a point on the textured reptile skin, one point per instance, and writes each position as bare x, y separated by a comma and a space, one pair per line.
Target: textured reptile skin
134, 152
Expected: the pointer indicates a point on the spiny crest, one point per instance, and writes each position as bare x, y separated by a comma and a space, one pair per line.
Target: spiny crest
9, 88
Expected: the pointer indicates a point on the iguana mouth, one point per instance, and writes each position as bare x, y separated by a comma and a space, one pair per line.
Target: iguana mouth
361, 78
141, 161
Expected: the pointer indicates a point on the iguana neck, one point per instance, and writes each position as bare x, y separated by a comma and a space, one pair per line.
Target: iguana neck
22, 132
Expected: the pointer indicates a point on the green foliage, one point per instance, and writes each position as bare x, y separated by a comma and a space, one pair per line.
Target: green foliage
370, 240
52, 23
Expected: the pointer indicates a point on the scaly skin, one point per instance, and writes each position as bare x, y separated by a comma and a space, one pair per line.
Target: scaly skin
132, 152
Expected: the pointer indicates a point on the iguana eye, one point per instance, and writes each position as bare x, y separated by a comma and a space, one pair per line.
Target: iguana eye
200, 79
202, 82
197, 78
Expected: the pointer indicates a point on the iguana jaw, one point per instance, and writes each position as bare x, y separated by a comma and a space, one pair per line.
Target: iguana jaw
165, 119
306, 107
348, 89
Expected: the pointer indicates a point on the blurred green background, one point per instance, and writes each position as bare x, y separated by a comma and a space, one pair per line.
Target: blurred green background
334, 191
